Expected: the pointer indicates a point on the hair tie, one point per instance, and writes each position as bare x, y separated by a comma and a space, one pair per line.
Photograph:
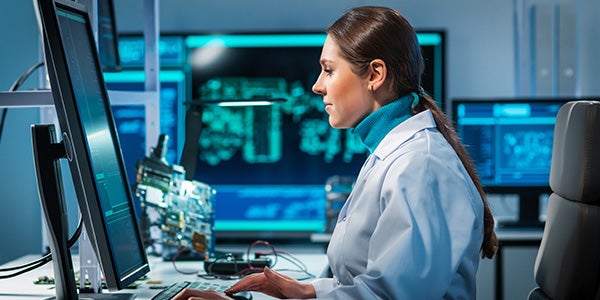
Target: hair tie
421, 91
415, 100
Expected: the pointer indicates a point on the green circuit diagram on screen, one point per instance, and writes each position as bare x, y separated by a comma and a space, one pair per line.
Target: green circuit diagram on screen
257, 132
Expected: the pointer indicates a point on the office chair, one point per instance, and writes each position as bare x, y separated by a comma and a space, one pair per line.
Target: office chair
567, 265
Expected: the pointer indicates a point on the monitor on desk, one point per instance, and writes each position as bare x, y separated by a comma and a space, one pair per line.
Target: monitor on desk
510, 142
269, 164
108, 46
91, 146
130, 117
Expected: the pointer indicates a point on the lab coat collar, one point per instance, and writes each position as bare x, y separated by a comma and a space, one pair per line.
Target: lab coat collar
403, 132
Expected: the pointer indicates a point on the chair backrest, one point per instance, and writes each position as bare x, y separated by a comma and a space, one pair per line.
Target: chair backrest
568, 262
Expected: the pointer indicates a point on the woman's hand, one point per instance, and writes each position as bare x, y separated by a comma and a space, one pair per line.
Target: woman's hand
273, 284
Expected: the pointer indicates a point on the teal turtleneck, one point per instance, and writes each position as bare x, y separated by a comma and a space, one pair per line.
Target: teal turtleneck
376, 126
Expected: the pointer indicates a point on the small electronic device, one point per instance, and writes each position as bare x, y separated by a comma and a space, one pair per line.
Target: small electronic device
182, 210
235, 266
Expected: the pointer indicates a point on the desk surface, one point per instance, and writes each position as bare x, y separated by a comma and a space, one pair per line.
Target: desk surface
22, 287
519, 234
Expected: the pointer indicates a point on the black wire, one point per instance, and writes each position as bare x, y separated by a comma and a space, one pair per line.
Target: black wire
48, 257
24, 76
14, 87
42, 260
2, 118
41, 263
179, 251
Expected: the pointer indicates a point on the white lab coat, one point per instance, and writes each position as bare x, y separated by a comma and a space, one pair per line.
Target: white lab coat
412, 227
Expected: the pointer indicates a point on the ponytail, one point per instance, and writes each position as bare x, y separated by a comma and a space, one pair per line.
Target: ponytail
489, 245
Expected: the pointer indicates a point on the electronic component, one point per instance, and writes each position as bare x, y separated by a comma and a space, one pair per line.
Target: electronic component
234, 266
181, 210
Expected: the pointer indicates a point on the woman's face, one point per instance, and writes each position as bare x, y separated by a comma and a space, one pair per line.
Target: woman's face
346, 95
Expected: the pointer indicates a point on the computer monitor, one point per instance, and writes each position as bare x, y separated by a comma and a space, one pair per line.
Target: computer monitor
433, 50
510, 142
130, 117
171, 51
108, 46
292, 56
269, 164
91, 145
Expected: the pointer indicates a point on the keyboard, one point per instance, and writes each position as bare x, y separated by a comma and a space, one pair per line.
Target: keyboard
172, 290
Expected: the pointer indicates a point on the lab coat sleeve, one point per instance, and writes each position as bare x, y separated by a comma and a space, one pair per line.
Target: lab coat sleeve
425, 225
323, 285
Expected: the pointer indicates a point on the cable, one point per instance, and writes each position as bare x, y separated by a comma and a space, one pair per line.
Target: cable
259, 242
44, 259
179, 251
24, 76
14, 87
48, 257
241, 267
249, 268
290, 258
245, 270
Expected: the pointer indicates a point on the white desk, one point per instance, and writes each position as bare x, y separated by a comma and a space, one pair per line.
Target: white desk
22, 287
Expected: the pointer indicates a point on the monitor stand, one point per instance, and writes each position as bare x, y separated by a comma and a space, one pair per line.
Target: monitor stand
529, 212
47, 153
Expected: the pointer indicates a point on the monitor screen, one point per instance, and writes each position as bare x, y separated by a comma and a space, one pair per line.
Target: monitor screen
293, 57
510, 142
108, 48
91, 142
171, 51
269, 164
130, 118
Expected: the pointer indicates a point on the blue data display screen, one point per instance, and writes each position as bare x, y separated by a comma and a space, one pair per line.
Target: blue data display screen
252, 208
131, 119
510, 143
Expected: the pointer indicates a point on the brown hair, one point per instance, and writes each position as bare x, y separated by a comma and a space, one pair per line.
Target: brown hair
370, 32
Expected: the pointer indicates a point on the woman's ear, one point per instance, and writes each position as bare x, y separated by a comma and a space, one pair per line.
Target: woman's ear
377, 74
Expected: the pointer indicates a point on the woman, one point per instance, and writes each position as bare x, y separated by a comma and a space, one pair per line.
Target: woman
416, 221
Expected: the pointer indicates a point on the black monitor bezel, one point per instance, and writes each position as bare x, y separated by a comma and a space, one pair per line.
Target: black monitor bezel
441, 98
76, 146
